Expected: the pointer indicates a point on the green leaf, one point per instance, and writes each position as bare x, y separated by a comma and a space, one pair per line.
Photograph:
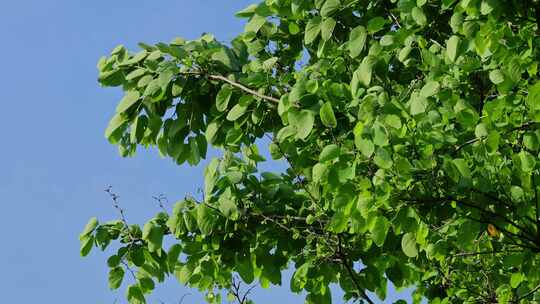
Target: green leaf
383, 159
140, 56
205, 219
380, 136
116, 124
146, 284
329, 153
452, 47
404, 53
319, 171
462, 167
153, 234
528, 162
89, 228
116, 275
329, 7
393, 121
236, 112
357, 40
211, 132
303, 121
285, 133
226, 57
533, 98
516, 279
387, 40
153, 88
496, 76
194, 156
418, 104
363, 73
418, 16
255, 24
228, 207
135, 295
293, 28
183, 274
86, 245
481, 130
300, 278
135, 74
365, 146
129, 99
327, 28
113, 261
144, 81
338, 222
429, 89
530, 141
327, 115
244, 267
379, 230
517, 194
247, 12
138, 127
223, 97
313, 28
137, 256
408, 245
376, 24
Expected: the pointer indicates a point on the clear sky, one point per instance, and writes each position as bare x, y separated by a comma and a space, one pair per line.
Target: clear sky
54, 160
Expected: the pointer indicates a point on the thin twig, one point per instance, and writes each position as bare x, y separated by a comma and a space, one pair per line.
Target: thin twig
528, 294
345, 262
243, 88
160, 199
465, 254
130, 270
183, 296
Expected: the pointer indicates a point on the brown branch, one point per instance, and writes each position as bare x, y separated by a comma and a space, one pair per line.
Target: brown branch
469, 142
130, 270
232, 83
346, 264
523, 235
296, 173
466, 254
502, 217
243, 88
528, 294
183, 297
114, 198
237, 293
537, 210
524, 126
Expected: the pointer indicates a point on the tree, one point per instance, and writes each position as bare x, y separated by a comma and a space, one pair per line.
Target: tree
411, 133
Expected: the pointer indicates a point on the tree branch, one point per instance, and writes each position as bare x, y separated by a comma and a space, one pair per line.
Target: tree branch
346, 264
528, 294
243, 88
524, 126
232, 83
466, 254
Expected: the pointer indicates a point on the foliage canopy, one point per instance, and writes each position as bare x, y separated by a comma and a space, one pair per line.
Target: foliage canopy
411, 132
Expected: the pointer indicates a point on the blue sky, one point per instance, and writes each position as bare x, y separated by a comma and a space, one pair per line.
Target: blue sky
55, 162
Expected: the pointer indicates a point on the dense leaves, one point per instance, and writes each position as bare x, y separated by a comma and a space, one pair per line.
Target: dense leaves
411, 131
